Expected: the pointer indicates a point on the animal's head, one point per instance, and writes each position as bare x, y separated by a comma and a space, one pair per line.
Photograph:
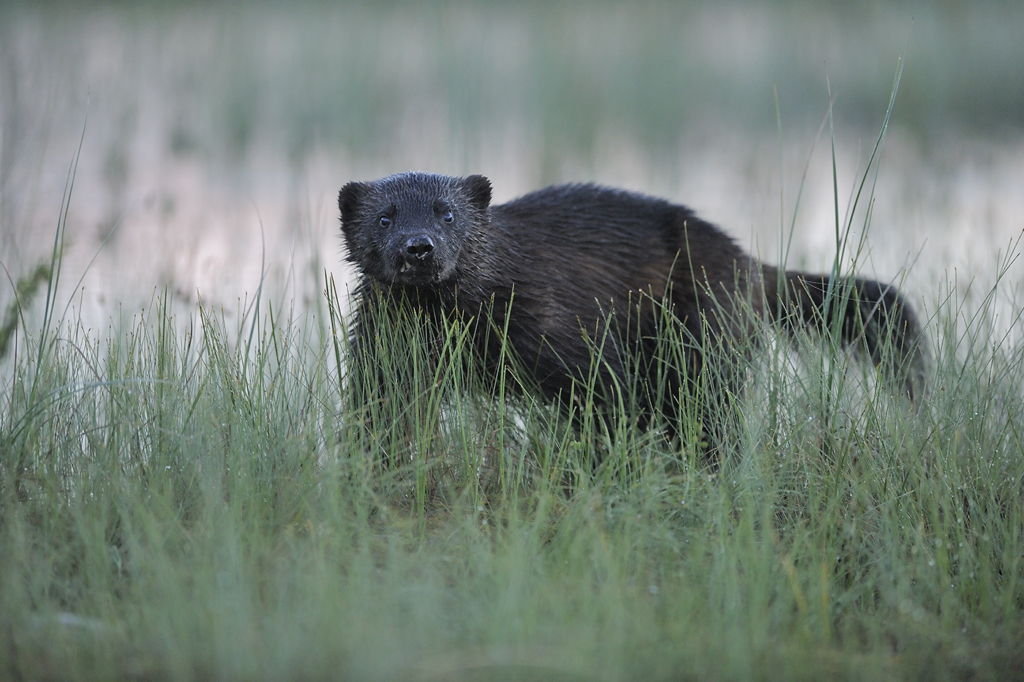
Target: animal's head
410, 228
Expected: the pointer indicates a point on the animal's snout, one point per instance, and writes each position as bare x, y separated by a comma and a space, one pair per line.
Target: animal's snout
419, 248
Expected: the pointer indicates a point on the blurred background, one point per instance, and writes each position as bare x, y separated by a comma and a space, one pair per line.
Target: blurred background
216, 135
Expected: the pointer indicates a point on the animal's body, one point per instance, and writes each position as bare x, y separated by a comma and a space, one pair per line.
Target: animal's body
555, 268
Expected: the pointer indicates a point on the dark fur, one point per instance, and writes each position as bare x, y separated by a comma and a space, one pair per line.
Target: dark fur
554, 266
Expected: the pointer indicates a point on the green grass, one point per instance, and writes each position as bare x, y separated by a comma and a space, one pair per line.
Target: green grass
204, 504
187, 498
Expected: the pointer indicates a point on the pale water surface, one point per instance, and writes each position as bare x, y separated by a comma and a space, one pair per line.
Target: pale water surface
216, 139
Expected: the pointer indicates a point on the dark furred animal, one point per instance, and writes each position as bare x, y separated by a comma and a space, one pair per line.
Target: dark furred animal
556, 266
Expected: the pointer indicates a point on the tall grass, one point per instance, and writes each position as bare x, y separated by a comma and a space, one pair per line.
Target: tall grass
181, 506
213, 504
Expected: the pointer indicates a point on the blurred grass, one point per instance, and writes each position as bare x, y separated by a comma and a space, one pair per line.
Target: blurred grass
310, 74
201, 113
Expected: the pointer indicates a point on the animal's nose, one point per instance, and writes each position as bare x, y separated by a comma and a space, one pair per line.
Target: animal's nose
419, 247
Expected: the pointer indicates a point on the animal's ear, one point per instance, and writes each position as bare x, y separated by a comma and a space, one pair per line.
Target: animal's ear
349, 199
478, 189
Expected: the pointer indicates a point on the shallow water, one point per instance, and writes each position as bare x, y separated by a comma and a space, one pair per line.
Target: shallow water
215, 140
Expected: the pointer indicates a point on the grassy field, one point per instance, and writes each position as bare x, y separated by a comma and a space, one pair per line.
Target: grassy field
208, 505
187, 492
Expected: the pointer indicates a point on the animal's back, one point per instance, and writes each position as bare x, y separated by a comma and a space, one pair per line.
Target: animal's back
628, 240
584, 251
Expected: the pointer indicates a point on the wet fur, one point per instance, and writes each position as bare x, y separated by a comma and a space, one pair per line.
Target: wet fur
555, 265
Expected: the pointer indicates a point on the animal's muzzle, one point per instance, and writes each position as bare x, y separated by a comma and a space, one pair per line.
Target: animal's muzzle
419, 249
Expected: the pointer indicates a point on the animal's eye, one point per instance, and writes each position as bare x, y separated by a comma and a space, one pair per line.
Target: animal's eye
384, 221
448, 217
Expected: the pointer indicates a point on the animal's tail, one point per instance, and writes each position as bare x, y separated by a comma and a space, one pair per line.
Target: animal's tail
869, 314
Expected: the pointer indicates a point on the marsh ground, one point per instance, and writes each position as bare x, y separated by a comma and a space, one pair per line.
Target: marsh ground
181, 496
